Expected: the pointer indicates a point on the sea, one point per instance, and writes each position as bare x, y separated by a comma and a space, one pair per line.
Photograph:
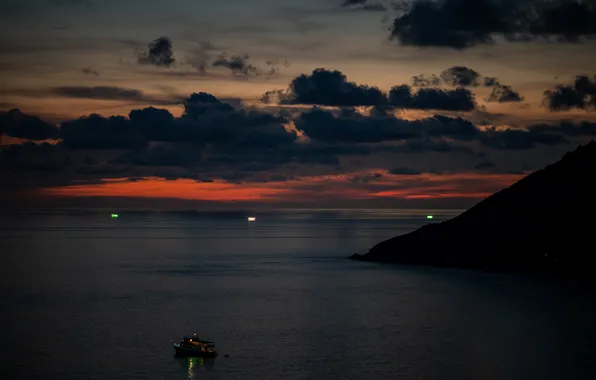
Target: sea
88, 296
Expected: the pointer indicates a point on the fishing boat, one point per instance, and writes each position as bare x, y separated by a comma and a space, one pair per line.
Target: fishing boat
193, 346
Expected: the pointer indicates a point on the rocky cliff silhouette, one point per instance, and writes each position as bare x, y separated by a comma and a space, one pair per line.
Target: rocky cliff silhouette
545, 221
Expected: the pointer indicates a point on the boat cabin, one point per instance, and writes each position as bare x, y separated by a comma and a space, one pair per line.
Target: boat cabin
194, 342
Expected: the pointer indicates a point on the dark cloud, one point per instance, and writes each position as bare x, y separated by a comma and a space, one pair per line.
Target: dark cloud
422, 80
322, 125
182, 155
213, 140
454, 128
485, 166
504, 94
172, 160
461, 24
427, 144
448, 23
206, 120
581, 94
99, 92
242, 163
237, 64
89, 71
331, 88
245, 177
240, 129
516, 139
583, 128
70, 2
567, 19
322, 153
203, 58
459, 99
462, 76
155, 123
104, 170
240, 66
404, 171
98, 132
366, 178
160, 53
327, 87
302, 153
352, 127
34, 157
490, 82
456, 76
275, 96
349, 3
202, 103
364, 5
15, 123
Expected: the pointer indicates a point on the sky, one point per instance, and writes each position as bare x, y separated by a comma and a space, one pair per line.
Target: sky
284, 103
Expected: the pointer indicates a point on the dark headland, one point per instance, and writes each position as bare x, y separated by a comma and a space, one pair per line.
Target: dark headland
544, 222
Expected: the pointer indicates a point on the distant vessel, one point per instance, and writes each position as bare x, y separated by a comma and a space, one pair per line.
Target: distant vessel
252, 219
193, 346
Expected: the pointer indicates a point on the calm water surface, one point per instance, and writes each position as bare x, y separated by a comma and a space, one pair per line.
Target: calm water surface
87, 297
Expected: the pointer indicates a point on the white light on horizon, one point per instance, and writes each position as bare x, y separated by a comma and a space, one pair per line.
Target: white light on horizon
252, 219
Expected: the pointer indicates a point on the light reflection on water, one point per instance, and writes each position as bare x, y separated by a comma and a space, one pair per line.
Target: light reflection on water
196, 367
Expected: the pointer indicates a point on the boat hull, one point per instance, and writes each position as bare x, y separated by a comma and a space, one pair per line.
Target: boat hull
191, 351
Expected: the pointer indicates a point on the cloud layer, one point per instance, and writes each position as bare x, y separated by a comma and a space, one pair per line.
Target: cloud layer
159, 53
214, 141
580, 95
332, 88
321, 125
462, 24
463, 77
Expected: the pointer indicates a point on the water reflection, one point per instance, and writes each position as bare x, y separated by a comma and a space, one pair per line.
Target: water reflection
196, 366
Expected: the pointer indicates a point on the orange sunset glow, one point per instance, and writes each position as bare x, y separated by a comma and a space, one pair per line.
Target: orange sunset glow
161, 188
426, 186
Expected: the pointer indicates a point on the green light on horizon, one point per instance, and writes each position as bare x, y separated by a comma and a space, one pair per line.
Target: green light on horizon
115, 216
429, 217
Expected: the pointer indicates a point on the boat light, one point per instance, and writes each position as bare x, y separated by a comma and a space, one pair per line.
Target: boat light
429, 217
252, 219
115, 216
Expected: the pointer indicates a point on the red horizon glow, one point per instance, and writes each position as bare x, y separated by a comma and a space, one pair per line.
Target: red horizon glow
425, 186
